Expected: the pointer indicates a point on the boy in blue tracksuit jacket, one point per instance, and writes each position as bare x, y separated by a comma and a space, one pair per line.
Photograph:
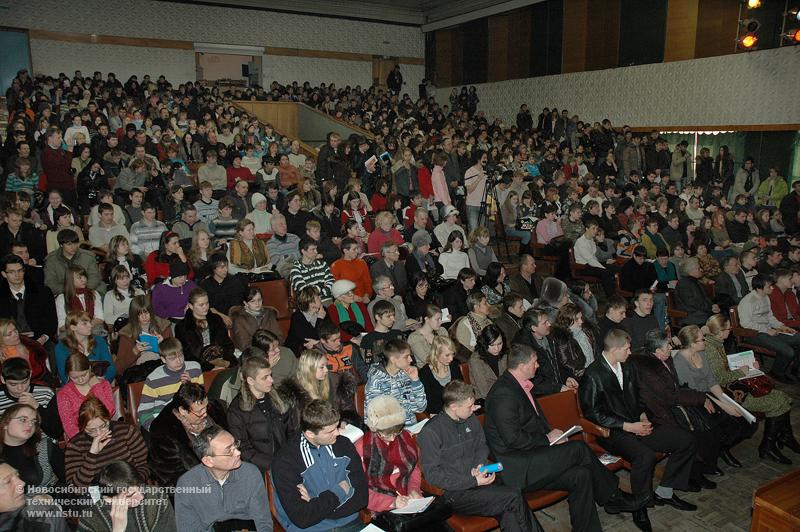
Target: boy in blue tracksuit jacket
317, 476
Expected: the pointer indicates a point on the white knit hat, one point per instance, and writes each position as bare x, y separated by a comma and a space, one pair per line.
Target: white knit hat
342, 286
384, 412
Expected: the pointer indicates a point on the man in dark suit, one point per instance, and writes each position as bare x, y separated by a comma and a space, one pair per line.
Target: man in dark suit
31, 305
16, 230
524, 282
610, 397
520, 437
553, 376
730, 286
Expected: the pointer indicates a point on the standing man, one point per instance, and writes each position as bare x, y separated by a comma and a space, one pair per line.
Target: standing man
453, 449
520, 437
56, 164
221, 489
475, 183
395, 80
610, 397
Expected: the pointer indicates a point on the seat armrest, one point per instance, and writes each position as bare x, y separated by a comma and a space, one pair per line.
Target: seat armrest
594, 429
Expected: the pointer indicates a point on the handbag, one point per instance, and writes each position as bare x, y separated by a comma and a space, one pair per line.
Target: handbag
433, 519
758, 386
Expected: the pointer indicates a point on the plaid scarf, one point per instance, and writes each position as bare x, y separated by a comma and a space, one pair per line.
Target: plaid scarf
378, 463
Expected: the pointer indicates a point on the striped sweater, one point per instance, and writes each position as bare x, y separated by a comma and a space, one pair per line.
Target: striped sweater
144, 237
223, 229
207, 211
126, 444
318, 274
160, 386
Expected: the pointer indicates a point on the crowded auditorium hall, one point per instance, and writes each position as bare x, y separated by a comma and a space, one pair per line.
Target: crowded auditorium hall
298, 266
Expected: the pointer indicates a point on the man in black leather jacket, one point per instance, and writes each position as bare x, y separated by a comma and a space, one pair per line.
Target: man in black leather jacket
610, 397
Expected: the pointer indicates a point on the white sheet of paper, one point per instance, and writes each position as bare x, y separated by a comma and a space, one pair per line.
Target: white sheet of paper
727, 400
352, 433
416, 427
445, 315
415, 506
371, 528
569, 432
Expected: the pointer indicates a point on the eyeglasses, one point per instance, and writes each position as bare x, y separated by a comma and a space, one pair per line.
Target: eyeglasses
25, 420
97, 430
386, 287
231, 450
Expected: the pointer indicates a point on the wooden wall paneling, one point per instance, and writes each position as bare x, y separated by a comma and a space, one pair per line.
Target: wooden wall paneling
282, 115
717, 22
498, 56
602, 42
444, 58
575, 35
682, 23
87, 38
519, 44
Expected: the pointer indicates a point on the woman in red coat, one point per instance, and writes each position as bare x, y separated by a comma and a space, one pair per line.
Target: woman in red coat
15, 345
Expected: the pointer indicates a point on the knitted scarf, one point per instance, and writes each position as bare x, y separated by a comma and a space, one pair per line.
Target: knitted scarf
88, 298
344, 313
244, 257
379, 465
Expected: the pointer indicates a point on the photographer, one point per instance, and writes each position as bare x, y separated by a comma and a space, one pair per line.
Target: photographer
475, 182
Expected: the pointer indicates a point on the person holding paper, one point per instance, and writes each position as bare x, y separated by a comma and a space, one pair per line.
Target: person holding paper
755, 312
610, 397
519, 435
638, 274
389, 456
775, 405
667, 401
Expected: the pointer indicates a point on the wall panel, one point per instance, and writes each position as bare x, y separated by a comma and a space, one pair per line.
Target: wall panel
499, 30
681, 30
576, 20
740, 89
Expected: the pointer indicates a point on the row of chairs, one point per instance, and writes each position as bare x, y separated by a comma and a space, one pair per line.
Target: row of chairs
562, 410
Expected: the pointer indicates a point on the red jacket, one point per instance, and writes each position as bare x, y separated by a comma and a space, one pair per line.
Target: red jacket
242, 173
784, 304
56, 164
425, 184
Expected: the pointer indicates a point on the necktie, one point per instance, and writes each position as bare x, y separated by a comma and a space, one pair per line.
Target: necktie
19, 296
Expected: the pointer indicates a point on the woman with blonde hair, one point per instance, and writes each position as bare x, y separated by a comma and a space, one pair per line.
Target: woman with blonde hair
254, 416
695, 373
314, 381
82, 383
16, 345
385, 231
78, 339
480, 253
310, 197
442, 368
774, 404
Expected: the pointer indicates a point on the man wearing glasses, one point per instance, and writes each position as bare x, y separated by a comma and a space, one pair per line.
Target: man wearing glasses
221, 491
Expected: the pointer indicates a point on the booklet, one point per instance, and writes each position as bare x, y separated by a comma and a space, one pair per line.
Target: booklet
415, 506
445, 315
606, 459
151, 341
352, 433
745, 358
569, 432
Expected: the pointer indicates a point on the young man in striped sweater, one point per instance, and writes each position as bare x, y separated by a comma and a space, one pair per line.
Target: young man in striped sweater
311, 270
145, 234
164, 381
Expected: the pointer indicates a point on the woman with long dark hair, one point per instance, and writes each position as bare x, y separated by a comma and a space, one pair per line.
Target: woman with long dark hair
169, 249
204, 335
132, 351
22, 445
488, 361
